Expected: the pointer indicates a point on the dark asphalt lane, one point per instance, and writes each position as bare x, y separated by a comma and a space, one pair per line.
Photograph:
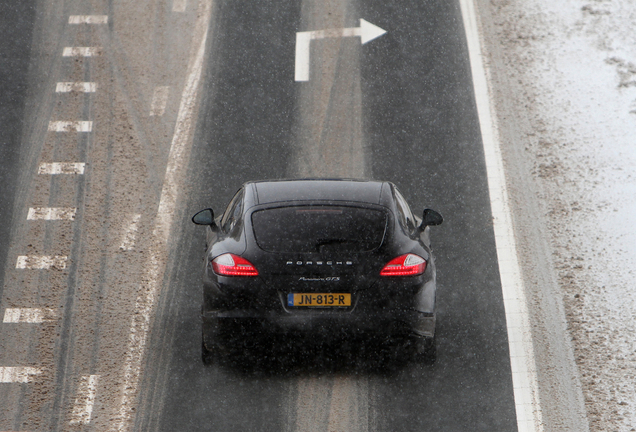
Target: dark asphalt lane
246, 122
16, 30
422, 125
421, 132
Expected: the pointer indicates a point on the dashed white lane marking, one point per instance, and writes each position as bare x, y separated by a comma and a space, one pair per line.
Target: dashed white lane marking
10, 374
128, 241
81, 51
154, 269
179, 5
83, 406
159, 101
522, 359
54, 168
88, 19
51, 213
28, 315
70, 126
41, 262
82, 87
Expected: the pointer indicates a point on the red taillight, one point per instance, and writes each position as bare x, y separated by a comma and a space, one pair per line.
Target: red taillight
233, 265
404, 265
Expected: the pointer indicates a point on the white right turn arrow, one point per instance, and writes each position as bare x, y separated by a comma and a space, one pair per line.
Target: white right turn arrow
367, 32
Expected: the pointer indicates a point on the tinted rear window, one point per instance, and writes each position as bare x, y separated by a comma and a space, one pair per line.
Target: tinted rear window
319, 229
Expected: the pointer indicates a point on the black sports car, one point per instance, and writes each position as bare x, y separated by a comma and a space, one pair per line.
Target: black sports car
302, 256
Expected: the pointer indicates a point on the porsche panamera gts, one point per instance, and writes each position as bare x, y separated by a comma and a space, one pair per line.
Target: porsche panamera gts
317, 256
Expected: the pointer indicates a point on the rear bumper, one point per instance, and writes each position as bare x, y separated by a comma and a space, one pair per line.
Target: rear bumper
406, 323
391, 309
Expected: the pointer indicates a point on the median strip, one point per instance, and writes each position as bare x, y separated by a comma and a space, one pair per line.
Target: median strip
157, 255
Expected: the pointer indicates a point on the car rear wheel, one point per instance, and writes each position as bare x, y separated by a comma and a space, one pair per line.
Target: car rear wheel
207, 355
426, 350
211, 354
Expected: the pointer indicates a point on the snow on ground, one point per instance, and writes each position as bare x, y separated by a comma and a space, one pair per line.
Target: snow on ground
576, 61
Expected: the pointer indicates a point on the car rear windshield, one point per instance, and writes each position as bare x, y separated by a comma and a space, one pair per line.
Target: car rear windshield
319, 229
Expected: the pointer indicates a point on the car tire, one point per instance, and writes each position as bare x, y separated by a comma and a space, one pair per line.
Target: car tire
213, 355
207, 356
426, 350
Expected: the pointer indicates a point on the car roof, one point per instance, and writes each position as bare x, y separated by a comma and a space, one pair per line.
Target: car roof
365, 191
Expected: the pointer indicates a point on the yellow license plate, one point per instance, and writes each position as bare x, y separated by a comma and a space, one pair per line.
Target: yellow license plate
319, 299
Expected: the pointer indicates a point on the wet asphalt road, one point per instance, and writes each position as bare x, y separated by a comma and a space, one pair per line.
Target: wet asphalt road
16, 28
420, 131
403, 105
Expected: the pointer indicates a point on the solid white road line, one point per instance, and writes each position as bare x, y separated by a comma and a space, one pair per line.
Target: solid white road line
88, 19
70, 126
159, 100
41, 262
81, 51
522, 360
179, 5
17, 374
27, 315
157, 254
128, 240
54, 168
83, 406
82, 87
51, 213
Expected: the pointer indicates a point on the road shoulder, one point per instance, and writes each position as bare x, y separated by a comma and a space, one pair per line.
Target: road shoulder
557, 373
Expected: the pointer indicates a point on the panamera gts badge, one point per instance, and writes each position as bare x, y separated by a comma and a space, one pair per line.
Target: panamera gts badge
325, 279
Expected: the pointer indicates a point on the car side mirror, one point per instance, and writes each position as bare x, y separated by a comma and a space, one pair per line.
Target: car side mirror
431, 218
204, 217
